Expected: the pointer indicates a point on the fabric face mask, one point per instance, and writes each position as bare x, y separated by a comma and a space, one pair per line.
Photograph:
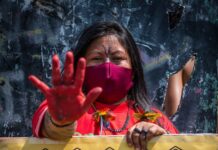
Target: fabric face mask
115, 81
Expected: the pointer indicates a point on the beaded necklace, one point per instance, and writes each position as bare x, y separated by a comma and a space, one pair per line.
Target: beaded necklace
104, 116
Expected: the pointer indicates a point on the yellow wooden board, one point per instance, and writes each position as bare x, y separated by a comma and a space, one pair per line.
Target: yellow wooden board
165, 142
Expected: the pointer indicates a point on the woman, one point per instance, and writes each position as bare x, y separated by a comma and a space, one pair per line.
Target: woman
106, 95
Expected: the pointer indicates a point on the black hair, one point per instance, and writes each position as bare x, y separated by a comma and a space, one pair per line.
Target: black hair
138, 92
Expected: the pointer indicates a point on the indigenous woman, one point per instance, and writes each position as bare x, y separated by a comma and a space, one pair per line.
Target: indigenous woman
105, 95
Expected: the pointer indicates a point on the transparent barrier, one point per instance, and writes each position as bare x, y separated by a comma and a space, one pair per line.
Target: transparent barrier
165, 142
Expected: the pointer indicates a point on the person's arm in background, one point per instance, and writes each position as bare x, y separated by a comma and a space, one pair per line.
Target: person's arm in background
65, 101
175, 87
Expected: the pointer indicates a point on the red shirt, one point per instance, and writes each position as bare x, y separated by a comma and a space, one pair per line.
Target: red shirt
87, 125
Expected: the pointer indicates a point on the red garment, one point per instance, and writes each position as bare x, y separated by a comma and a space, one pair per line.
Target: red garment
87, 125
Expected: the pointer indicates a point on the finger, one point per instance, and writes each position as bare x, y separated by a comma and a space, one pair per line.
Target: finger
155, 131
136, 139
56, 73
129, 136
68, 69
143, 140
129, 139
39, 84
80, 73
91, 97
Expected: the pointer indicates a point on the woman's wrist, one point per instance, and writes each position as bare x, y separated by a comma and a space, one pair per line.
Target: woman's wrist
59, 125
56, 131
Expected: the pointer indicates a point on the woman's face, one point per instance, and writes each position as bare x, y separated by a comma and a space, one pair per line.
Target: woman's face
107, 49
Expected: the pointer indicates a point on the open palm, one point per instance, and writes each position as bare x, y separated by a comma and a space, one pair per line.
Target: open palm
66, 101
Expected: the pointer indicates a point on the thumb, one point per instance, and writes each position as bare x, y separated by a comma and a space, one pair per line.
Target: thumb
91, 97
39, 84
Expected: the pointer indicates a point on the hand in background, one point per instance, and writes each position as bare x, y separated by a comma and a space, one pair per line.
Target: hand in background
66, 100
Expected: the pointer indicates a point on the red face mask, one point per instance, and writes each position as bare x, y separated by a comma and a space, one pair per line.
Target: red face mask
115, 81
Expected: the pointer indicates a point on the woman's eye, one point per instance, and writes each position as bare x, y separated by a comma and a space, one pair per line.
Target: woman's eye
118, 58
96, 58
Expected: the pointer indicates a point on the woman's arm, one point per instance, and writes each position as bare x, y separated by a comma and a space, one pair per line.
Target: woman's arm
51, 130
139, 134
65, 101
43, 126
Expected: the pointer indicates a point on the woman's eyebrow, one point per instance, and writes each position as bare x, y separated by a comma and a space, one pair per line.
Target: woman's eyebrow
117, 52
94, 51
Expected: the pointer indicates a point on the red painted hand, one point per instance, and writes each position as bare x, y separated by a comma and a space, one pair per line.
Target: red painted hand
66, 101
